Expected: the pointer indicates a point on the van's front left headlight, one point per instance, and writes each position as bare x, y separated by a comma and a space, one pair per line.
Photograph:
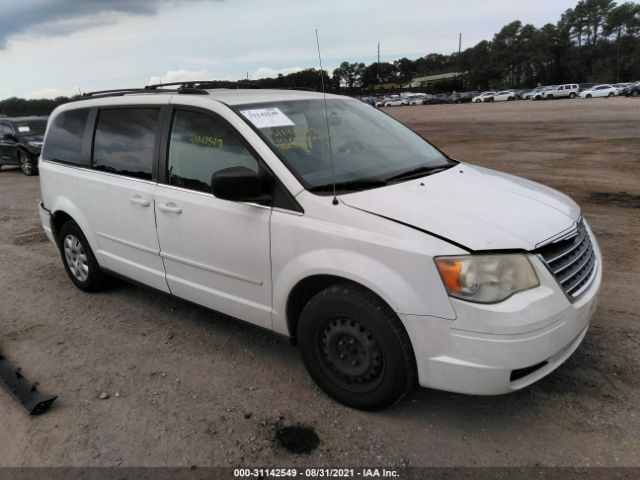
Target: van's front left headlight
486, 278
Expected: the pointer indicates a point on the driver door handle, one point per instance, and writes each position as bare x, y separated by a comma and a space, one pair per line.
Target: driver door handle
170, 207
138, 200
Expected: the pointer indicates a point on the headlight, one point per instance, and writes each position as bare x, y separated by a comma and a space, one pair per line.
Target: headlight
486, 278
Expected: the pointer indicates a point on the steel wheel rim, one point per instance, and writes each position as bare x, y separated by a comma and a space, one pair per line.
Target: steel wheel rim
350, 354
25, 165
76, 257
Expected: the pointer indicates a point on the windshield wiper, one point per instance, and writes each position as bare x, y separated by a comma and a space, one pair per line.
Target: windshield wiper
418, 172
351, 185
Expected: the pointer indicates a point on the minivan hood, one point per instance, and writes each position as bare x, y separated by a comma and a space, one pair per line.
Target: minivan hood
474, 207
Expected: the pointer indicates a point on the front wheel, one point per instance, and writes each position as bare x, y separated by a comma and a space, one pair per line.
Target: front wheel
589, 95
610, 94
634, 93
26, 164
355, 348
79, 261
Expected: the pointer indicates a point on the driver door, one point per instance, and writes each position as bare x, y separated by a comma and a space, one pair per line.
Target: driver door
216, 252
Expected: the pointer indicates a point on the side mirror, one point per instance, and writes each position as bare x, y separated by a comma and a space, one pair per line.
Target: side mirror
240, 184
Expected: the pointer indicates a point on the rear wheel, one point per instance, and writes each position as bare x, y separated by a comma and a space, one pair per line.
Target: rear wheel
572, 95
634, 93
79, 261
355, 347
610, 94
26, 164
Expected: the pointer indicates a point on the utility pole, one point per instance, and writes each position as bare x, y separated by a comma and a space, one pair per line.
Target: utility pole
378, 52
459, 44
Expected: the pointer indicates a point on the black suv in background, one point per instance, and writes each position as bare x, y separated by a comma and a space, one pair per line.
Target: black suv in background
21, 142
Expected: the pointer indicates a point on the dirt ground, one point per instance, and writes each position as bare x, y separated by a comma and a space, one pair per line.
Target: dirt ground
187, 386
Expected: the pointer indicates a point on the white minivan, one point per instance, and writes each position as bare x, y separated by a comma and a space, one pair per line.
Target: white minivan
385, 260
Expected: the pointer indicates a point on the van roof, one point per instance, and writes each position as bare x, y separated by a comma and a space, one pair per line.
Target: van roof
223, 95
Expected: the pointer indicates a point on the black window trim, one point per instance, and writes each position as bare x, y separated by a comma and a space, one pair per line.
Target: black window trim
291, 203
83, 158
11, 127
89, 143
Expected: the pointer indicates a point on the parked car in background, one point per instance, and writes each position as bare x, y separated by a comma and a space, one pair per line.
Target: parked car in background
464, 97
521, 94
586, 86
483, 97
632, 90
438, 99
570, 90
417, 99
532, 93
505, 95
395, 102
620, 87
542, 93
604, 90
21, 142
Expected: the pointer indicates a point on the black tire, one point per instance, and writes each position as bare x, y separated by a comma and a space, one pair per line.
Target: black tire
355, 348
610, 94
634, 93
572, 95
588, 95
27, 165
95, 278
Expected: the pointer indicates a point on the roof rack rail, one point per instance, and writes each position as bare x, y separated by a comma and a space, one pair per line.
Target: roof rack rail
193, 87
110, 93
190, 86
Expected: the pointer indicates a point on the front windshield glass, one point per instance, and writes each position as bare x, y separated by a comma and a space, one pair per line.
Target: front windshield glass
32, 128
367, 145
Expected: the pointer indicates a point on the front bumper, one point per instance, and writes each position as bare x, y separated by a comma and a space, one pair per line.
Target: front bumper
500, 348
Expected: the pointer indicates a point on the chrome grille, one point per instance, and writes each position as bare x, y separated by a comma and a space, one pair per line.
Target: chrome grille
572, 261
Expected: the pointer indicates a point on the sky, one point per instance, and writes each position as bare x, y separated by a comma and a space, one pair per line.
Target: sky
50, 48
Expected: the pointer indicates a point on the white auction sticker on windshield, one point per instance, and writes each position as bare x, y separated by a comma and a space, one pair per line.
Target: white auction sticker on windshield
267, 117
23, 128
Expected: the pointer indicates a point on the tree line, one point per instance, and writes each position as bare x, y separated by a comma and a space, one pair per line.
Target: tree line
596, 41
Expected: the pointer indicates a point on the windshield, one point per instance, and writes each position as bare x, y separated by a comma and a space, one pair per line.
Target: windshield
369, 147
32, 128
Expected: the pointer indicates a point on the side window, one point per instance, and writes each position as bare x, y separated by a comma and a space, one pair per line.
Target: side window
125, 140
64, 139
200, 146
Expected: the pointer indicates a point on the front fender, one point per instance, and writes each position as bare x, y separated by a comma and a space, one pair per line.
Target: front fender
399, 291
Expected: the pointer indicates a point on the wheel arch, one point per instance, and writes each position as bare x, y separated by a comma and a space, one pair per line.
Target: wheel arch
304, 291
62, 211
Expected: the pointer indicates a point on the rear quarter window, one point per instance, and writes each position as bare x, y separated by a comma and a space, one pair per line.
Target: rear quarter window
64, 139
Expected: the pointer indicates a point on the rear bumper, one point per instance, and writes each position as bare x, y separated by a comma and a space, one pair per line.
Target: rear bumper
45, 220
501, 348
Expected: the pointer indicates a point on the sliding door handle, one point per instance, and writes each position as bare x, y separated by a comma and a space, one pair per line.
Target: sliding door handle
170, 207
138, 200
